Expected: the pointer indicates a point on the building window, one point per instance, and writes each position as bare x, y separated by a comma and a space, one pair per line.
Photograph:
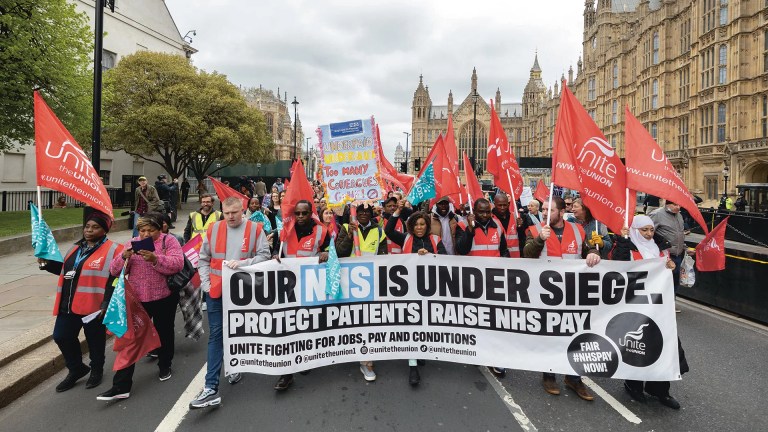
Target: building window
723, 12
707, 68
591, 88
108, 60
707, 124
655, 94
656, 48
654, 130
615, 74
721, 115
710, 10
765, 51
592, 114
685, 36
710, 183
645, 95
615, 112
765, 116
722, 65
682, 133
684, 78
105, 176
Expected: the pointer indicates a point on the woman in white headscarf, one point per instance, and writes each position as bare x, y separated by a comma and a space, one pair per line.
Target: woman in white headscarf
637, 243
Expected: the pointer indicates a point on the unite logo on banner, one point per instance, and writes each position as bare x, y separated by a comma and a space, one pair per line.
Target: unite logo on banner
595, 158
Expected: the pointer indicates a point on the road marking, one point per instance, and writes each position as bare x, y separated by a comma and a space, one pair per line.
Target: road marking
174, 417
512, 406
624, 411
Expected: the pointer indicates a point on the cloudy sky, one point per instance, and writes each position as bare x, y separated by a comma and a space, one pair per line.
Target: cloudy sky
345, 60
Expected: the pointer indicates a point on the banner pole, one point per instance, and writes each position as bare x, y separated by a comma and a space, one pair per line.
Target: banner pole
549, 206
626, 206
39, 200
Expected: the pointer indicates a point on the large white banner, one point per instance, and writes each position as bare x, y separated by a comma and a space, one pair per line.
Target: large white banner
616, 319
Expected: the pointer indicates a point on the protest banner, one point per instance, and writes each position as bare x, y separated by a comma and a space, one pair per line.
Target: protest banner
614, 320
350, 167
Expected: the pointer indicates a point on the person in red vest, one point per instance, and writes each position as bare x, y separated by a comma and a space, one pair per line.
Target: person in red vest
636, 243
560, 239
234, 242
308, 239
84, 280
512, 225
391, 205
480, 235
418, 240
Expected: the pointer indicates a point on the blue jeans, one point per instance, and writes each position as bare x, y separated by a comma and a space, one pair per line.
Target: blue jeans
678, 260
215, 341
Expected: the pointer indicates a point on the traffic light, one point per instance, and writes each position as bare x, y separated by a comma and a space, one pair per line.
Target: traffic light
417, 164
403, 166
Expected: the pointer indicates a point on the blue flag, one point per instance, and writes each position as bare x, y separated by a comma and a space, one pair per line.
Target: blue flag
258, 216
116, 318
43, 241
424, 188
333, 272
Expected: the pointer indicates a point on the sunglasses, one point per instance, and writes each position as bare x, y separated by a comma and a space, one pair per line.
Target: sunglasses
301, 213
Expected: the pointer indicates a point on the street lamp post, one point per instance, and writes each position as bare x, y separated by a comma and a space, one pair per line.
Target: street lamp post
407, 155
295, 104
474, 131
726, 173
306, 168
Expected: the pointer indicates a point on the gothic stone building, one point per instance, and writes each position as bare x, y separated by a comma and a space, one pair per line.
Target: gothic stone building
278, 120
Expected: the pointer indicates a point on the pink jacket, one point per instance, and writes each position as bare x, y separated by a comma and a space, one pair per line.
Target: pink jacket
148, 281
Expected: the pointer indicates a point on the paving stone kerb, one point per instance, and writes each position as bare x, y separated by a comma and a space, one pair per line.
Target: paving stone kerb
13, 244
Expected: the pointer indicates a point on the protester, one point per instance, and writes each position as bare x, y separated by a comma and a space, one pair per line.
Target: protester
185, 186
534, 214
480, 235
670, 225
391, 205
637, 243
233, 242
569, 217
61, 202
254, 205
147, 272
147, 200
596, 232
560, 239
294, 245
260, 188
418, 240
80, 294
444, 223
372, 242
200, 220
167, 227
512, 225
278, 184
329, 218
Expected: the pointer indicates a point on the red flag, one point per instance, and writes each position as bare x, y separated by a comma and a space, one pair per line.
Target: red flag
388, 172
446, 184
223, 192
141, 336
710, 253
649, 171
474, 190
584, 160
450, 145
300, 190
501, 159
191, 250
62, 165
542, 191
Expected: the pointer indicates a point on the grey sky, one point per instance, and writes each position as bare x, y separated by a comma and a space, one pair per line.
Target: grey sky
345, 60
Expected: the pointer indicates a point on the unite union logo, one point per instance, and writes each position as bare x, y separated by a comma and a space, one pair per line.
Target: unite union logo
572, 247
96, 264
632, 340
308, 244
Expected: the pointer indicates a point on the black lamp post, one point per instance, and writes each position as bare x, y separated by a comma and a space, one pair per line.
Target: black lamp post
474, 131
726, 172
306, 154
295, 104
407, 156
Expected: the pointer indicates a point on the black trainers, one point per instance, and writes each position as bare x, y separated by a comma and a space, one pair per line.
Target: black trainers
498, 371
72, 378
165, 374
284, 382
413, 376
113, 394
95, 379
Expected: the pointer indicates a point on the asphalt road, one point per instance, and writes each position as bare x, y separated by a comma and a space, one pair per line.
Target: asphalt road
725, 390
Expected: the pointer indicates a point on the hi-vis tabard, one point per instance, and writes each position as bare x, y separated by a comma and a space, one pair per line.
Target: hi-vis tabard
198, 226
308, 246
217, 239
369, 245
513, 243
92, 283
392, 247
635, 255
486, 244
567, 248
408, 243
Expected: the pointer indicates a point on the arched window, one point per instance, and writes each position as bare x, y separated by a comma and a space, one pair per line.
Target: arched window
655, 94
654, 130
615, 74
656, 48
615, 112
722, 65
723, 12
721, 116
465, 141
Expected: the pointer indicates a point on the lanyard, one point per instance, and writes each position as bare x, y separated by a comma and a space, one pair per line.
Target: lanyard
83, 254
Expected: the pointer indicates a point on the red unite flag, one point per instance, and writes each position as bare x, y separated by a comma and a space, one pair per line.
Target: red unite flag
141, 336
649, 171
585, 161
300, 190
542, 191
501, 159
223, 192
62, 165
474, 190
710, 253
388, 172
450, 145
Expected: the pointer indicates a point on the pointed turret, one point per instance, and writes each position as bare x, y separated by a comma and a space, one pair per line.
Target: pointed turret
474, 80
535, 91
450, 101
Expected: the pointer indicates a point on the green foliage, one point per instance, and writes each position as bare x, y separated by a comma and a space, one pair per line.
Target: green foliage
44, 44
159, 108
17, 222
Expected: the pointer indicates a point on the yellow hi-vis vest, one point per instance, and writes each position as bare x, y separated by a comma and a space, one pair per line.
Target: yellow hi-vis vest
200, 228
369, 245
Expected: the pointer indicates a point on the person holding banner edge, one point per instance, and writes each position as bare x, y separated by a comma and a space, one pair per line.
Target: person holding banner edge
418, 240
233, 242
566, 240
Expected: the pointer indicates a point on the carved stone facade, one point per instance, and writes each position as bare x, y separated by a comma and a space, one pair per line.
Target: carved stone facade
278, 118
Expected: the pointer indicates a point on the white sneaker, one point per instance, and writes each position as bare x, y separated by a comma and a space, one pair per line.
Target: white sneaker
368, 373
207, 397
234, 378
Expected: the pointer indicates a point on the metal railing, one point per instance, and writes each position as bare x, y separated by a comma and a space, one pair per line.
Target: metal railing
18, 200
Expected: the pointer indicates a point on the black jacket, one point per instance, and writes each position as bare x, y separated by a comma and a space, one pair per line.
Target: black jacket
623, 247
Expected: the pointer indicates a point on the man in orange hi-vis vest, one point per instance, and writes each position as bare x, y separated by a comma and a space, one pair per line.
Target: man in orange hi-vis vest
565, 240
233, 242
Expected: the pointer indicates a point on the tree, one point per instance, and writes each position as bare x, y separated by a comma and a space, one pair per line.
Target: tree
46, 45
159, 108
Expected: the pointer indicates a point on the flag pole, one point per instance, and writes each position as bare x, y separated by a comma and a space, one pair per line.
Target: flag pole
549, 206
512, 192
626, 206
40, 200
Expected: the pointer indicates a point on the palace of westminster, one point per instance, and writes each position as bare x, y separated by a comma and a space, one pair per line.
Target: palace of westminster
694, 72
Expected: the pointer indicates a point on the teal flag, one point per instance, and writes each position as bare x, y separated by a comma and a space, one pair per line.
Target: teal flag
43, 241
424, 188
333, 272
279, 223
258, 216
116, 318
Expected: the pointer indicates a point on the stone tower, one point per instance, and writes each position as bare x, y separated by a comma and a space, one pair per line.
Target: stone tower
535, 90
420, 108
